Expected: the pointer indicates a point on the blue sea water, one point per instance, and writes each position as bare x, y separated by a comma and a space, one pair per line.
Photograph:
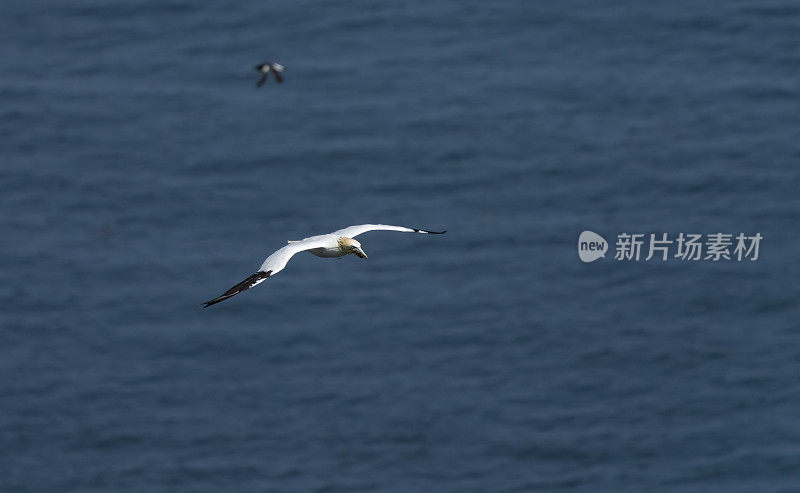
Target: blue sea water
142, 173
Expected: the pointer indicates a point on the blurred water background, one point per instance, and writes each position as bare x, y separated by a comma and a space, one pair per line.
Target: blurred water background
142, 173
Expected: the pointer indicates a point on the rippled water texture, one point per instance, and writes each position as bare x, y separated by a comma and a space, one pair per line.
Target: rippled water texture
142, 173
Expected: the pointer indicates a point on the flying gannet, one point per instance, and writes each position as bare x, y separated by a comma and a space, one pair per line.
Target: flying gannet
265, 68
332, 245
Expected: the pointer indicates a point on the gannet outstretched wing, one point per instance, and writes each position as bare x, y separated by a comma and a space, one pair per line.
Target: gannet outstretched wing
278, 260
354, 231
272, 265
336, 244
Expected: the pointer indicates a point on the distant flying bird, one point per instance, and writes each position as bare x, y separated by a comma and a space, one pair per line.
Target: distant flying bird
332, 245
265, 68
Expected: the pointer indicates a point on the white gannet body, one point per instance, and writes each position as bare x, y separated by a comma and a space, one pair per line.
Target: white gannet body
332, 245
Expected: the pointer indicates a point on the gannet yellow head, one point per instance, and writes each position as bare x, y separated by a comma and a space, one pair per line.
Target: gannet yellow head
349, 245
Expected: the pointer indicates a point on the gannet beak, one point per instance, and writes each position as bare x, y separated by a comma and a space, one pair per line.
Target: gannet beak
360, 253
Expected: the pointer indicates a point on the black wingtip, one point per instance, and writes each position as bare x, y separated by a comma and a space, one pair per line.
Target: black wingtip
429, 232
242, 286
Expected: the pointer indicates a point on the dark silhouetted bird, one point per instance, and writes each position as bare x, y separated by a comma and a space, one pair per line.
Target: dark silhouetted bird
265, 68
